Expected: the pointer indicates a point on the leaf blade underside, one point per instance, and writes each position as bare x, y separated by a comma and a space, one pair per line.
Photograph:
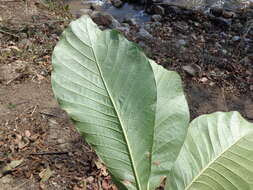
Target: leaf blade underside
217, 155
96, 76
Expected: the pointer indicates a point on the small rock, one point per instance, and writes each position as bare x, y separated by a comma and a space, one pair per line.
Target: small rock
221, 22
173, 10
85, 11
144, 34
159, 10
114, 24
224, 52
123, 29
236, 38
130, 21
246, 61
216, 11
204, 79
180, 43
156, 24
192, 70
228, 14
117, 3
250, 56
125, 25
96, 7
248, 107
156, 18
147, 27
142, 44
102, 18
251, 87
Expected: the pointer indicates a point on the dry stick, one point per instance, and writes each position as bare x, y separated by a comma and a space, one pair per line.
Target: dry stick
49, 153
5, 32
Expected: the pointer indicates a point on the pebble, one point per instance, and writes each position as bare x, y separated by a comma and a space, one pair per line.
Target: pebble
181, 43
155, 25
228, 14
130, 21
159, 10
117, 3
216, 11
123, 29
224, 52
144, 34
236, 38
221, 22
102, 18
192, 70
156, 18
85, 11
114, 24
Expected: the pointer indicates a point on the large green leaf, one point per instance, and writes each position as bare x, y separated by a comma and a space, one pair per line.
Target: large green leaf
172, 120
107, 86
217, 155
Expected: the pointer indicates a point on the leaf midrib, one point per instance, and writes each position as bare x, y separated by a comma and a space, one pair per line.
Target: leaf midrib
120, 121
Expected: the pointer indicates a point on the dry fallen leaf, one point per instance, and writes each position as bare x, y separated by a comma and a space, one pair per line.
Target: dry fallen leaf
12, 165
45, 174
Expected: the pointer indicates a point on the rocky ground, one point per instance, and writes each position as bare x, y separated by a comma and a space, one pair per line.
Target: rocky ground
39, 147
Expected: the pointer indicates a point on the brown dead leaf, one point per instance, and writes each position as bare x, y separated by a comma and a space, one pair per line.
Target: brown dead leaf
101, 166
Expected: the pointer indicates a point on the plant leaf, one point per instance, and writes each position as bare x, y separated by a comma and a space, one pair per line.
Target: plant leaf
107, 86
172, 121
217, 155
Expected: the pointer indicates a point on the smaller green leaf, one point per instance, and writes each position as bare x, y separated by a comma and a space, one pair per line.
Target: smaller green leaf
172, 121
217, 155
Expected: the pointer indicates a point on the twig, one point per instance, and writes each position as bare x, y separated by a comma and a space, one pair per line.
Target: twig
49, 153
21, 185
35, 107
13, 79
5, 32
10, 1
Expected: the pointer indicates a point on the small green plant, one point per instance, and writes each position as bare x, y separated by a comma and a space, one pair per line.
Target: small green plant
11, 106
135, 115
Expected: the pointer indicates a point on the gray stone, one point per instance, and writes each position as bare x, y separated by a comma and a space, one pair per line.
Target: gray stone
114, 24
159, 10
85, 11
156, 25
224, 51
156, 18
181, 43
228, 14
117, 3
144, 34
130, 21
123, 29
147, 27
192, 70
236, 38
102, 18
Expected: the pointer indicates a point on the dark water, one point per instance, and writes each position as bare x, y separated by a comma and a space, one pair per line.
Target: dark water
136, 12
206, 4
126, 11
